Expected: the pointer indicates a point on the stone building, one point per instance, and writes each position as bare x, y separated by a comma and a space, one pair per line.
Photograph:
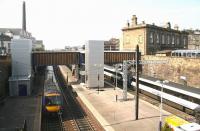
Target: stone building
112, 44
5, 44
194, 39
152, 38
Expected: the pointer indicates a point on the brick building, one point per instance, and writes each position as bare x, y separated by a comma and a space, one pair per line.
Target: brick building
152, 38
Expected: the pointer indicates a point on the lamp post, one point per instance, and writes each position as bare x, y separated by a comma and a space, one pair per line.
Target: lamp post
17, 74
67, 78
116, 69
116, 66
85, 77
161, 101
98, 77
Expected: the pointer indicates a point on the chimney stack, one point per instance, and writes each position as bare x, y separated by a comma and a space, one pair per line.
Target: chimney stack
127, 24
24, 16
134, 20
168, 25
143, 22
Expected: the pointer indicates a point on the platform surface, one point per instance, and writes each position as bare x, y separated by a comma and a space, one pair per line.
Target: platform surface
118, 115
16, 110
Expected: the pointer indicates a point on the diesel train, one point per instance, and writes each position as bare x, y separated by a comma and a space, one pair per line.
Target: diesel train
52, 98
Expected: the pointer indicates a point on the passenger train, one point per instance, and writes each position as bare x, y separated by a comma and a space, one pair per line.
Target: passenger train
52, 98
175, 95
110, 73
186, 53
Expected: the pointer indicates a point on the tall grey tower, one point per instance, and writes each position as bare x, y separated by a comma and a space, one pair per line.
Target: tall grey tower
24, 16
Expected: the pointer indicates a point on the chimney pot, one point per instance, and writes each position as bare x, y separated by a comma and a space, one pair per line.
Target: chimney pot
134, 20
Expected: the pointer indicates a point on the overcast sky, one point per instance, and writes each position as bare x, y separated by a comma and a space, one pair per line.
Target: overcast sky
61, 23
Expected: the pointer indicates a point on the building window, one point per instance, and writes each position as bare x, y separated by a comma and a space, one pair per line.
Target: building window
163, 39
173, 40
127, 41
151, 37
157, 38
184, 42
168, 39
177, 40
140, 39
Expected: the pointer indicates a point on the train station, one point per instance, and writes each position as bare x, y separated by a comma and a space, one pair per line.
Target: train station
103, 96
148, 80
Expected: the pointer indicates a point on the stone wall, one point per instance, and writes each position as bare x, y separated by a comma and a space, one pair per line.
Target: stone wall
5, 66
174, 69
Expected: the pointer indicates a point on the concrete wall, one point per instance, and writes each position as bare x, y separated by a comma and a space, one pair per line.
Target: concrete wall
21, 57
15, 84
20, 81
174, 69
94, 63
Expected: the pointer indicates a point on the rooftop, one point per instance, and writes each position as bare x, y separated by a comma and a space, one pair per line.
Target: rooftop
166, 27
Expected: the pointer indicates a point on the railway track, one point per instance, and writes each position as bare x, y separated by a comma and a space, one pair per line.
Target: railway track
52, 123
75, 116
156, 102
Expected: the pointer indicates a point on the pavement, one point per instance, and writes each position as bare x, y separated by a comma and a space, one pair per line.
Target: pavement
16, 110
118, 115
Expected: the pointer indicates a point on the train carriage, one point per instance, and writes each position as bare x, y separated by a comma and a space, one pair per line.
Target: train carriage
52, 98
178, 96
174, 123
186, 53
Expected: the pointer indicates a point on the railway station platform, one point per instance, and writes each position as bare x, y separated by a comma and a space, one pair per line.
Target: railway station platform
118, 115
16, 110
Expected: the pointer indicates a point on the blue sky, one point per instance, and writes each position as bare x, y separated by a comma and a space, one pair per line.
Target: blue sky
62, 23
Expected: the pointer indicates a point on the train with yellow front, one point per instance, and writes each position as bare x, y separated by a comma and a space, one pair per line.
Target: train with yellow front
52, 98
